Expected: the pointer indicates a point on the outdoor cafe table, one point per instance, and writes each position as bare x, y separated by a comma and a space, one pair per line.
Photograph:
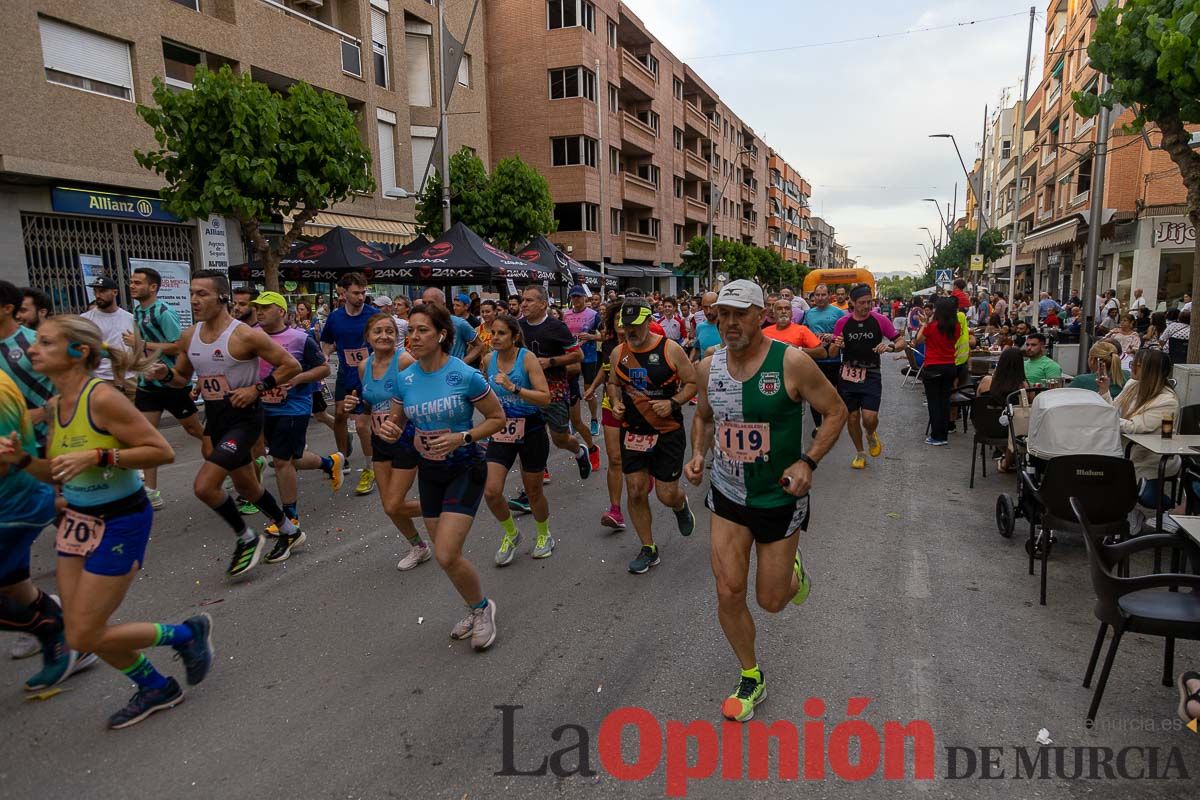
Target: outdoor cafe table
1165, 449
1189, 527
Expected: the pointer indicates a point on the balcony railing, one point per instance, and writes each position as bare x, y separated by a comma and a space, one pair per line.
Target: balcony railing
1079, 199
1084, 125
1052, 98
1049, 153
351, 45
1045, 214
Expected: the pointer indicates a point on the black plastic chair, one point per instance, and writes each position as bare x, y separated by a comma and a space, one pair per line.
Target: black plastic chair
1151, 605
989, 432
1106, 486
1189, 420
1177, 349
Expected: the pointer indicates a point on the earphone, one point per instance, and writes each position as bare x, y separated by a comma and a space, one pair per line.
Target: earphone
74, 351
442, 337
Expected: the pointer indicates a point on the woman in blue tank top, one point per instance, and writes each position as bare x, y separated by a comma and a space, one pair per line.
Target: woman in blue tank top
517, 378
440, 395
395, 463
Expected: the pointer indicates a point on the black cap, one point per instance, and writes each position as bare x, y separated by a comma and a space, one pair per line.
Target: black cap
635, 311
103, 282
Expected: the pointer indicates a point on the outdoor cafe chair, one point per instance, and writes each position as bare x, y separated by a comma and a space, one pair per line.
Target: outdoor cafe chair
989, 431
914, 371
1151, 605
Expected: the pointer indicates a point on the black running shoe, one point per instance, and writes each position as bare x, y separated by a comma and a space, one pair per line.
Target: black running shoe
282, 550
245, 556
145, 703
520, 503
646, 559
585, 464
197, 655
685, 519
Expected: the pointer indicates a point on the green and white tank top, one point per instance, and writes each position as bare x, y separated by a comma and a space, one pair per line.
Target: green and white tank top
759, 430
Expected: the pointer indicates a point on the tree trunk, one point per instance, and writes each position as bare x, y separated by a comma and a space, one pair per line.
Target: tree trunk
1177, 142
269, 257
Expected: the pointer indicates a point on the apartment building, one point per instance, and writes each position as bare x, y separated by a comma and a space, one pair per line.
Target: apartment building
72, 194
789, 211
821, 236
640, 153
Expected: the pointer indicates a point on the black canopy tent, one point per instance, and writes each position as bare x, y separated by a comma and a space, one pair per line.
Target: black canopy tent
326, 258
419, 243
545, 253
456, 257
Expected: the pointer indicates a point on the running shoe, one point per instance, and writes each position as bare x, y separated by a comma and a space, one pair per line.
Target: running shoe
245, 556
739, 706
594, 458
519, 503
260, 466
197, 655
59, 663
145, 703
876, 446
936, 442
337, 471
25, 646
858, 463
685, 519
284, 545
584, 461
595, 427
545, 476
462, 629
508, 549
417, 554
483, 631
647, 558
543, 547
805, 584
155, 498
366, 483
245, 507
346, 464
271, 529
613, 519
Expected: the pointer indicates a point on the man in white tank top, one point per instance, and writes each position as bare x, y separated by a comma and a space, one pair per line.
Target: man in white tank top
223, 354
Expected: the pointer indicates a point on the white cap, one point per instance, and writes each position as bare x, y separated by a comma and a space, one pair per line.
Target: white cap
383, 300
741, 294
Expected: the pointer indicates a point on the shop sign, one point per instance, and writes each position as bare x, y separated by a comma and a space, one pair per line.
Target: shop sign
214, 246
1179, 234
107, 204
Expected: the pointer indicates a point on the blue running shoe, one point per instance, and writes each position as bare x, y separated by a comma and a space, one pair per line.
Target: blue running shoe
595, 427
145, 703
58, 663
197, 655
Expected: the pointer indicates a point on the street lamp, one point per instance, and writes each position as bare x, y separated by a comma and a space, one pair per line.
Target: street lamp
941, 216
929, 233
398, 193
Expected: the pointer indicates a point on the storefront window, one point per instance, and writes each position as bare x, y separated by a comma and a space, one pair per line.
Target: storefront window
1125, 278
1174, 277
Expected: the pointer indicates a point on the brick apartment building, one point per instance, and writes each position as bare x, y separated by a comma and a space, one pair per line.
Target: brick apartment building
69, 184
638, 150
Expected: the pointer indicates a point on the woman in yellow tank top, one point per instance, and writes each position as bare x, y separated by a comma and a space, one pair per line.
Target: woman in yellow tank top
98, 442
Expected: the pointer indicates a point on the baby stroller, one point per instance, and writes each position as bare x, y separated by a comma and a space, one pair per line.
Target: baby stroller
1073, 438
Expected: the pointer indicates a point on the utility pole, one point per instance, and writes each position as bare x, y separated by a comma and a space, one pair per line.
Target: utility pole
1020, 145
601, 162
1095, 220
978, 190
444, 125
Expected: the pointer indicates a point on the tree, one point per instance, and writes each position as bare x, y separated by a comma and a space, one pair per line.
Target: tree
521, 205
956, 255
1150, 51
232, 146
742, 261
470, 199
902, 287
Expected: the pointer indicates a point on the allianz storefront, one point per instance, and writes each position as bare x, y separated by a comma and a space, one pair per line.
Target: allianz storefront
56, 238
1157, 258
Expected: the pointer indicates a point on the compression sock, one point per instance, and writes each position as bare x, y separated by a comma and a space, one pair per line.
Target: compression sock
327, 465
172, 634
143, 673
270, 506
543, 528
510, 527
227, 509
415, 540
289, 509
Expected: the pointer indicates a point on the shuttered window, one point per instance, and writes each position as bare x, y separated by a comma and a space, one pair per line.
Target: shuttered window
387, 150
86, 60
379, 47
422, 151
420, 84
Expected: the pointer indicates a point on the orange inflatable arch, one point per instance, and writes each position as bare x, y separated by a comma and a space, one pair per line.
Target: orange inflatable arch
833, 277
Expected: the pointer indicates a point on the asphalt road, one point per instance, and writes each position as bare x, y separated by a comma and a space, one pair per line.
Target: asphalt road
335, 676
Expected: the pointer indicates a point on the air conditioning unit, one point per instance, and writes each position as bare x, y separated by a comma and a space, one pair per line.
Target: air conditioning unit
311, 3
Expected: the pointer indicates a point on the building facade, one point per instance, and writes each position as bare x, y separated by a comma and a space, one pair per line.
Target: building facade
641, 154
78, 68
821, 237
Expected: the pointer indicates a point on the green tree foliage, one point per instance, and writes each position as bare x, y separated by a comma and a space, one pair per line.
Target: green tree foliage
1150, 51
743, 261
902, 287
231, 146
956, 255
509, 208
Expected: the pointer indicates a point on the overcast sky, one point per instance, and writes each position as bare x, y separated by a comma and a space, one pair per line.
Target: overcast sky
854, 118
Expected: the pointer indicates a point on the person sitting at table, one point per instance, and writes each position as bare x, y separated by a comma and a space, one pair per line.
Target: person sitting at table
1103, 353
1076, 321
1020, 331
1158, 324
1143, 321
1126, 338
1143, 404
1039, 367
1008, 377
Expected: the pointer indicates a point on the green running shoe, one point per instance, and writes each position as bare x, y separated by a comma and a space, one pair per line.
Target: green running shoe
805, 583
543, 547
508, 549
245, 507
739, 706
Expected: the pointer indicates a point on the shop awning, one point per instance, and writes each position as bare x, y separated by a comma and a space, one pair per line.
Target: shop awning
657, 272
624, 271
1051, 237
387, 231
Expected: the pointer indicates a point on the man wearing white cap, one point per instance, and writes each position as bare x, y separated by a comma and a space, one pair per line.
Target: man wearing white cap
752, 393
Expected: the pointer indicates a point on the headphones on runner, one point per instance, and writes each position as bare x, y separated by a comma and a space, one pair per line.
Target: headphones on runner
441, 337
73, 350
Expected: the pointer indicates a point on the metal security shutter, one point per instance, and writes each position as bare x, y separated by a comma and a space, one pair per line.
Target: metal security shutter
76, 51
379, 27
387, 156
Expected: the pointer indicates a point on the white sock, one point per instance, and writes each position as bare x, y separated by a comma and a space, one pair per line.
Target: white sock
286, 527
246, 536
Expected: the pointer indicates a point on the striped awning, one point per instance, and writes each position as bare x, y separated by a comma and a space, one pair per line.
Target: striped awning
1051, 237
386, 231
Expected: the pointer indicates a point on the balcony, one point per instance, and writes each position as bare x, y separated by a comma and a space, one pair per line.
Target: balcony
746, 227
694, 119
696, 210
641, 247
351, 46
748, 194
640, 192
695, 166
1079, 199
1045, 214
1049, 153
1052, 98
637, 134
635, 74
1082, 126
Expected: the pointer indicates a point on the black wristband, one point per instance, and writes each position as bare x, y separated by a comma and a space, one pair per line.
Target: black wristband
676, 405
268, 383
808, 460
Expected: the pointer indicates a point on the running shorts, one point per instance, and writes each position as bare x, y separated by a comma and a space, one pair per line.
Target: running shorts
320, 404
233, 432
558, 416
344, 386
608, 420
286, 435
664, 460
590, 370
175, 401
127, 525
400, 453
865, 396
766, 525
451, 490
533, 449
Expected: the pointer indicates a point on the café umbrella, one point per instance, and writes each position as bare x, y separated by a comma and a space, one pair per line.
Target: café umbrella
326, 258
544, 253
459, 256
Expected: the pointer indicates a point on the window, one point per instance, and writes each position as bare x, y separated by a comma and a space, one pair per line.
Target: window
417, 38
1085, 177
678, 139
194, 5
464, 71
577, 216
572, 82
85, 60
614, 160
612, 34
386, 128
648, 226
678, 186
678, 234
648, 172
423, 138
614, 99
677, 88
379, 42
571, 14
649, 62
617, 220
649, 118
573, 150
1005, 149
181, 63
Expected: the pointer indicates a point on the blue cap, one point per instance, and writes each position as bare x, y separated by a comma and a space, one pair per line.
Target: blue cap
577, 291
465, 299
